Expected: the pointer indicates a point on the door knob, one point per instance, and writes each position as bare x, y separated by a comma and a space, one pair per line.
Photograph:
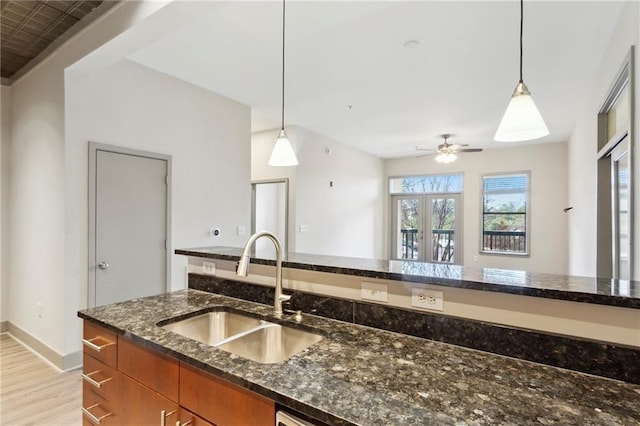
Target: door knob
103, 265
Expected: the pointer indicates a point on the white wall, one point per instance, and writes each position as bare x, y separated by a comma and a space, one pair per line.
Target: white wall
345, 219
548, 234
582, 148
37, 232
207, 135
5, 139
36, 207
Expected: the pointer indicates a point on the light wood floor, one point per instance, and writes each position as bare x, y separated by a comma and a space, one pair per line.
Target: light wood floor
34, 393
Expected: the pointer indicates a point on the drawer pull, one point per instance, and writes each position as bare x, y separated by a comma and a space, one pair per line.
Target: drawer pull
98, 384
164, 415
93, 418
89, 343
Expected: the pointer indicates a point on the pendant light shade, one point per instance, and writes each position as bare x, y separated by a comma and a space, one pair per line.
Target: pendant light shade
522, 120
283, 154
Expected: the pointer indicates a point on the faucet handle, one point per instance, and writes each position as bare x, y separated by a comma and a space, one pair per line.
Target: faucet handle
284, 297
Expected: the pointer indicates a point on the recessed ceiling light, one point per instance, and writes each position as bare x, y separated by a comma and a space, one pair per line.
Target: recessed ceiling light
412, 44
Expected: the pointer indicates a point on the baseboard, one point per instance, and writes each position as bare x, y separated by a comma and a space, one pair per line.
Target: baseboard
4, 326
61, 362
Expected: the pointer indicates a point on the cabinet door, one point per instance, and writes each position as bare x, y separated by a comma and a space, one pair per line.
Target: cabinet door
153, 369
222, 402
143, 406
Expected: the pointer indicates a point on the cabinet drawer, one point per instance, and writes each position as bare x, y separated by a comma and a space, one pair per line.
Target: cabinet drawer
221, 402
100, 343
99, 378
187, 418
97, 411
154, 370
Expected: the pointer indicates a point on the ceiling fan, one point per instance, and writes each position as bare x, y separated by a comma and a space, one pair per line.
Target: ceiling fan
447, 151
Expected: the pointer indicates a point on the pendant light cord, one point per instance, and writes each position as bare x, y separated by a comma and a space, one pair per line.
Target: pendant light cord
521, 25
283, 26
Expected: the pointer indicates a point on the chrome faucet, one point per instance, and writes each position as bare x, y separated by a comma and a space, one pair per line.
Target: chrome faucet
243, 267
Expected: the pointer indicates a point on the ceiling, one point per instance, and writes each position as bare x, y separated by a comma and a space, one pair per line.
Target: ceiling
350, 77
29, 27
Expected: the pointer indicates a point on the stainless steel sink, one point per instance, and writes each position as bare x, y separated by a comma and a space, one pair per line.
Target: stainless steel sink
245, 336
270, 343
213, 327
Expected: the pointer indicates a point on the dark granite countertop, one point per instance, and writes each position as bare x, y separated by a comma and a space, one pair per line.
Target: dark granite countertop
601, 291
364, 376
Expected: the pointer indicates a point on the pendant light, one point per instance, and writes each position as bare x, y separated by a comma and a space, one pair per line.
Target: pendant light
522, 120
283, 154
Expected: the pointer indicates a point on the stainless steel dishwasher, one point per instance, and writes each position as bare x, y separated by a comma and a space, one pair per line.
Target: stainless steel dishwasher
285, 419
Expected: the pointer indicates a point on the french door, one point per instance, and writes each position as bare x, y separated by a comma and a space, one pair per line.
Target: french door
426, 228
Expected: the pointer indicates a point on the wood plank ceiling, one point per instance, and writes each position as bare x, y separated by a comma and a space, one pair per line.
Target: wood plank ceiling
30, 26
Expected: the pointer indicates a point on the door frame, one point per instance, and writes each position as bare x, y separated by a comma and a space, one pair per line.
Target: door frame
625, 79
94, 148
621, 149
285, 243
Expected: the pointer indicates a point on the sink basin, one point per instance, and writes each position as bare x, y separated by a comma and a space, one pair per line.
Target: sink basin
270, 343
213, 327
245, 336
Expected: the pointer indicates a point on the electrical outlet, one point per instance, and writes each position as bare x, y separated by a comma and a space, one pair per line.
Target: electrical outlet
427, 299
209, 268
374, 291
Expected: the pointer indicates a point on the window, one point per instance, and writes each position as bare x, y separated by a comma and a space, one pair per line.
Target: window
505, 207
430, 184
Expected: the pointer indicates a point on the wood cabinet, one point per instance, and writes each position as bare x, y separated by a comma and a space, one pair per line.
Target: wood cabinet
221, 402
100, 379
155, 370
127, 384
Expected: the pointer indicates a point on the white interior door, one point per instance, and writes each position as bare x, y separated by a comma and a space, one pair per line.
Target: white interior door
130, 227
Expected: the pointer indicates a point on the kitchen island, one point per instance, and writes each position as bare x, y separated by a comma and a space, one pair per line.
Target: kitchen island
358, 375
602, 291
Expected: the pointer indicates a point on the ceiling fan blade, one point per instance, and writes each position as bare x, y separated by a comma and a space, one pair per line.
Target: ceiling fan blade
425, 149
457, 146
470, 150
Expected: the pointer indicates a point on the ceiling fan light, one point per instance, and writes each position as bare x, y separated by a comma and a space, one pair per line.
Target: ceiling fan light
446, 157
522, 120
283, 154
